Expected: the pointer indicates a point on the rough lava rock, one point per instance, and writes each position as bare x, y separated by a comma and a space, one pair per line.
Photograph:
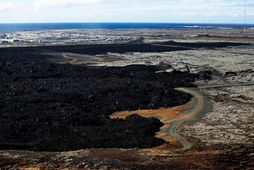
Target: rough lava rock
59, 107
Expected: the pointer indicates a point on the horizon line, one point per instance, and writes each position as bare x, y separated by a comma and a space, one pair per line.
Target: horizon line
103, 22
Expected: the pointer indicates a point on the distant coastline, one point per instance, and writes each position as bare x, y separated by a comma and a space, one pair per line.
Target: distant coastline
15, 27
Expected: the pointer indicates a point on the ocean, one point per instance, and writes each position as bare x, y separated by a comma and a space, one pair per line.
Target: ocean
45, 26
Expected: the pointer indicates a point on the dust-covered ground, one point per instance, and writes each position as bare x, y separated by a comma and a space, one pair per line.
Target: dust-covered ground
222, 139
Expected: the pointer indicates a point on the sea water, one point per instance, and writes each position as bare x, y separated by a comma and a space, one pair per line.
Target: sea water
44, 26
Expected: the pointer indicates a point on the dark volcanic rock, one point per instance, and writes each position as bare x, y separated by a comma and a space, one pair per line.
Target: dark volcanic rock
46, 106
208, 45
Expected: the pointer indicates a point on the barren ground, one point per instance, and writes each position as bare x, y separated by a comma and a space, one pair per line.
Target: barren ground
222, 139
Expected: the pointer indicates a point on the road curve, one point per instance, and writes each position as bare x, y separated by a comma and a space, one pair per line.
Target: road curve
212, 86
199, 107
173, 117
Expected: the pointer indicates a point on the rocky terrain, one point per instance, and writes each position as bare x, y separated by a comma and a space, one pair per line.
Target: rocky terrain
61, 75
57, 107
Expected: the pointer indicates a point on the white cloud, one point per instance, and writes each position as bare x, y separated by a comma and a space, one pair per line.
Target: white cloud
125, 11
6, 6
64, 3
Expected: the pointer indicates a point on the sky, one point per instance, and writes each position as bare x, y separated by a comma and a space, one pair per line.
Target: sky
175, 11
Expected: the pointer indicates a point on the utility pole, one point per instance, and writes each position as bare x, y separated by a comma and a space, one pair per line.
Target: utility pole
244, 16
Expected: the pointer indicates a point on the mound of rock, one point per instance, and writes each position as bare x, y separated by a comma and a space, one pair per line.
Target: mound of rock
54, 107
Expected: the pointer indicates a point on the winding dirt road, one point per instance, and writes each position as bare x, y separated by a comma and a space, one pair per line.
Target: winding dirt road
199, 107
174, 117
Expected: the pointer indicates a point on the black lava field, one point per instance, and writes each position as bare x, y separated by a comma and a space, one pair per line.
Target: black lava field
58, 107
